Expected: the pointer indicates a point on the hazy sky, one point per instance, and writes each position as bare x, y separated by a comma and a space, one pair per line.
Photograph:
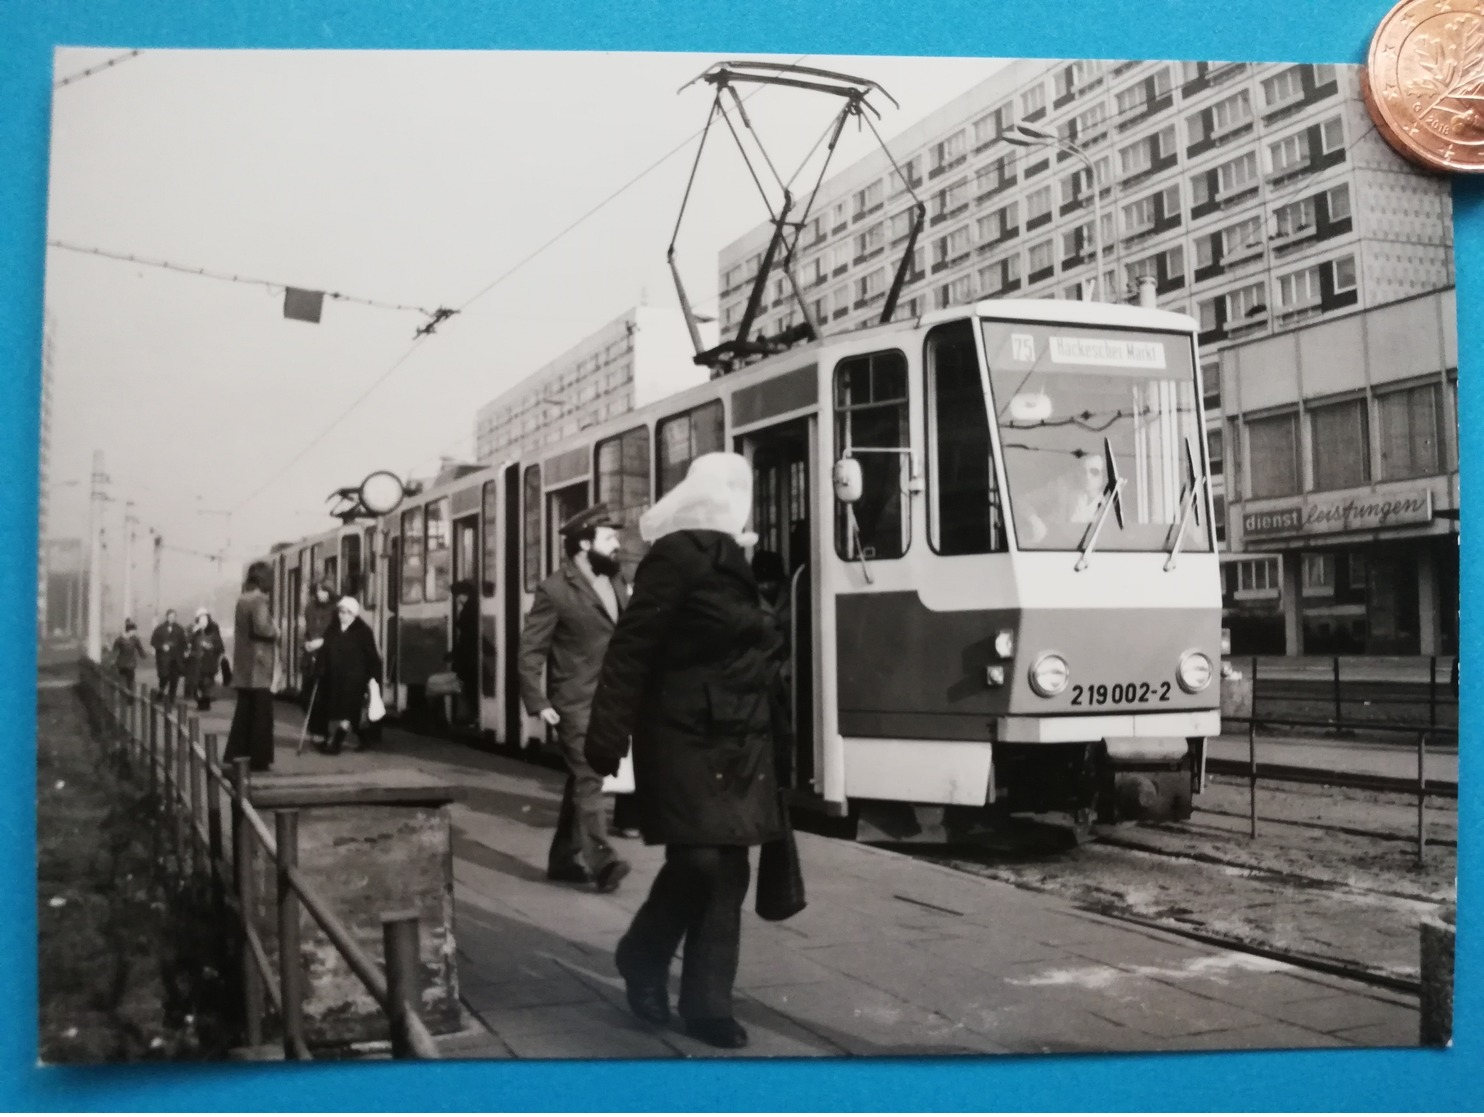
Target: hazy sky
413, 178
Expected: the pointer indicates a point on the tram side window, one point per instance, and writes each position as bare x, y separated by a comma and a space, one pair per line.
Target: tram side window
350, 566
685, 437
368, 569
965, 516
437, 558
490, 540
531, 526
412, 556
871, 416
623, 484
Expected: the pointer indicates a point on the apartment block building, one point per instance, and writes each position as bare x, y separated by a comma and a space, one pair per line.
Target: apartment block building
640, 356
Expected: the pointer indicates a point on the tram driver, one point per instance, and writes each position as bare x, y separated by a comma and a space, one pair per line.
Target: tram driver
1072, 497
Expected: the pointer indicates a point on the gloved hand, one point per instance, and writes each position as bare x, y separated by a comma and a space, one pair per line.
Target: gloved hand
605, 764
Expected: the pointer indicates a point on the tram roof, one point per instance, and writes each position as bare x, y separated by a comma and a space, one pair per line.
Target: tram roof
1065, 310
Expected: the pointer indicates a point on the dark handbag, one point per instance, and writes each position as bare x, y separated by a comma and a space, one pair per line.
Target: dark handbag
780, 878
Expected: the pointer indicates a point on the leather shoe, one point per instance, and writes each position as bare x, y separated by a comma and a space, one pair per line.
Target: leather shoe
611, 875
720, 1031
571, 874
649, 1000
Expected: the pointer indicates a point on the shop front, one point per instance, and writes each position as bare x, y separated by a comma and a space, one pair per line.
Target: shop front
1361, 572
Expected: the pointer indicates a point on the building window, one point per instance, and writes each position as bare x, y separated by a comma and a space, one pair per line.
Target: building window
1038, 203
1337, 200
1257, 578
1331, 135
871, 413
1340, 439
683, 438
1211, 383
1039, 257
1319, 574
1214, 446
911, 175
949, 151
870, 286
1345, 274
1411, 432
1294, 218
1289, 154
992, 125
1283, 87
1136, 157
412, 556
1246, 303
1033, 99
489, 524
1231, 113
1090, 119
1298, 290
868, 198
1273, 449
901, 224
871, 240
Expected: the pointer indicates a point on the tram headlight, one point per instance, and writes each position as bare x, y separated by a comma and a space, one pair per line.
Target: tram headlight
1049, 675
1194, 673
1004, 643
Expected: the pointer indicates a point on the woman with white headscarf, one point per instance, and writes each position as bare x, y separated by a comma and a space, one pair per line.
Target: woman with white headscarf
689, 675
345, 667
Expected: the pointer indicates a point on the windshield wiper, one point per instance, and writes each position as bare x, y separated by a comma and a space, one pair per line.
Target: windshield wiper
1112, 501
1190, 492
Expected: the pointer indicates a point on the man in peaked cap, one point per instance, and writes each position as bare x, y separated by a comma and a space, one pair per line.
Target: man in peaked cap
566, 634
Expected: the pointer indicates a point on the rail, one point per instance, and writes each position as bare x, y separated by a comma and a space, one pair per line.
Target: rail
1418, 785
187, 783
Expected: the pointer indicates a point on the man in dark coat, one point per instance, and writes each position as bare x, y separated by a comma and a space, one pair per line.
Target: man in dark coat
566, 634
689, 676
169, 643
254, 653
127, 652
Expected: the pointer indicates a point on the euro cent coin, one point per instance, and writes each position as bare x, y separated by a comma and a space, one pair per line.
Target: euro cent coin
1424, 82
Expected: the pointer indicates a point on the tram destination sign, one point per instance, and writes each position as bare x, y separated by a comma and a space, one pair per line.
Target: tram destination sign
1323, 515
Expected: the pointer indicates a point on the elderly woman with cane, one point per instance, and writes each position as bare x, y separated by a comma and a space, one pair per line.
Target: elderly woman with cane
690, 674
347, 667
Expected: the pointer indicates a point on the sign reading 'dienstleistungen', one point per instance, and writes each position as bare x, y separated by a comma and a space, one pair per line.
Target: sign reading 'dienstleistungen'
1319, 515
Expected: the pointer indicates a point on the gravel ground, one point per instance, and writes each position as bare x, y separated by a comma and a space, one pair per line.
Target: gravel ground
1332, 874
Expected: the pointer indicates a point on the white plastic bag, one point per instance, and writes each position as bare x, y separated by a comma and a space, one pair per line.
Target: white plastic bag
375, 708
623, 783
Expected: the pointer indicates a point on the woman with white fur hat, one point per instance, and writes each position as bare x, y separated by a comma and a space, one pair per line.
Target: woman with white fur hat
346, 665
204, 652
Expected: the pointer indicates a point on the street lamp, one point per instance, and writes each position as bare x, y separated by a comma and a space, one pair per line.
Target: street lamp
1029, 135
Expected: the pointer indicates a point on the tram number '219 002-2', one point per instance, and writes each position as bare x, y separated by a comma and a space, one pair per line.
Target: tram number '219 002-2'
1118, 694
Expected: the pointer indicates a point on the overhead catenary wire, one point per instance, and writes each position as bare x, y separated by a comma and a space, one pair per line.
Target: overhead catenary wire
231, 277
474, 298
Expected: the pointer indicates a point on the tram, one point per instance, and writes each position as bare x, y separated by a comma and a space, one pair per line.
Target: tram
998, 527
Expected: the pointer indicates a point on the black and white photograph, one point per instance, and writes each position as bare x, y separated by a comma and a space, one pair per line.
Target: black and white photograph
649, 556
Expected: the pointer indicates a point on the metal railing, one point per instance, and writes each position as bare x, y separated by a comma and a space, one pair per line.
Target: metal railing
1403, 695
188, 783
1418, 785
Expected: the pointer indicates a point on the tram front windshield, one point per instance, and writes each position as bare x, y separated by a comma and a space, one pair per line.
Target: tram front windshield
1079, 406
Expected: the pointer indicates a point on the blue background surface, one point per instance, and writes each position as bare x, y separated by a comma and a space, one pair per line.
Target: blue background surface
1311, 30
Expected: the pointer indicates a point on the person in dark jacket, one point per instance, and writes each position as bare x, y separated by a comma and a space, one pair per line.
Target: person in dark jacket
565, 635
204, 650
169, 643
689, 676
319, 615
254, 654
465, 655
128, 650
347, 663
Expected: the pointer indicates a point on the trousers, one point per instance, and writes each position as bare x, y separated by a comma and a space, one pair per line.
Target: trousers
169, 679
697, 897
581, 831
251, 734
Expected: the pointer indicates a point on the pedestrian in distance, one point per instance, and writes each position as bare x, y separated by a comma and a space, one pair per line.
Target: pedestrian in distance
128, 650
565, 635
690, 677
348, 666
169, 643
254, 652
204, 651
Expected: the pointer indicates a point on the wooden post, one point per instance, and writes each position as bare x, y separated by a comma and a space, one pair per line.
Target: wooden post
403, 990
1432, 692
290, 964
214, 833
193, 762
242, 859
154, 748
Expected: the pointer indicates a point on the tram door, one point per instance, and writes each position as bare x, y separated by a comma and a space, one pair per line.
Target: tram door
466, 571
392, 604
780, 516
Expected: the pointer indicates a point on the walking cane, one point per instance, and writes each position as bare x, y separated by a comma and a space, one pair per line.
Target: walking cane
304, 729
